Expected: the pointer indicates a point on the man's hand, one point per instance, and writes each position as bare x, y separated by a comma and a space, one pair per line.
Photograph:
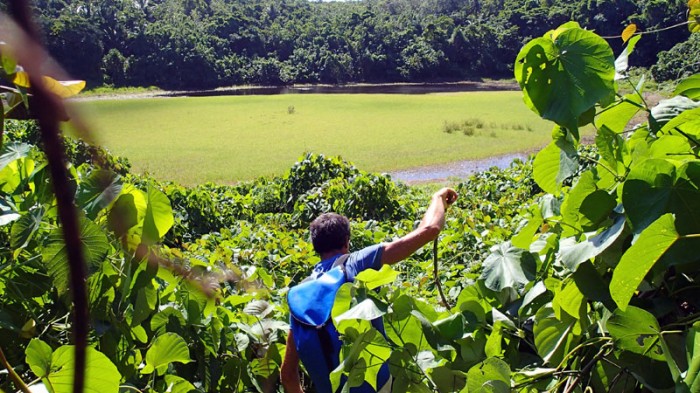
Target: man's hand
429, 228
447, 195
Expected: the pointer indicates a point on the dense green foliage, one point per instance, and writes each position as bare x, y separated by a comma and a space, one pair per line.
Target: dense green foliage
678, 62
253, 234
186, 44
575, 272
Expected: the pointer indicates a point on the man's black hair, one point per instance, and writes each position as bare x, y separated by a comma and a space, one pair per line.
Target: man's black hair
329, 231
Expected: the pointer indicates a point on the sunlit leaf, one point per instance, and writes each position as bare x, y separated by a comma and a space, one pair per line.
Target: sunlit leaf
572, 254
636, 330
258, 308
176, 384
63, 89
367, 309
373, 278
564, 73
508, 267
617, 116
38, 354
689, 87
159, 216
554, 337
554, 164
651, 245
165, 349
492, 375
666, 110
13, 151
101, 376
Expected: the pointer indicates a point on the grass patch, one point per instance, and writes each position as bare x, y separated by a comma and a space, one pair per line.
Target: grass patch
228, 139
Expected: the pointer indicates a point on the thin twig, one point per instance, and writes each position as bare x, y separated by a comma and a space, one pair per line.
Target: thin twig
437, 276
649, 31
49, 110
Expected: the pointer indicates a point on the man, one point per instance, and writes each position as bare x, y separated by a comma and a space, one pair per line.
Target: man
330, 235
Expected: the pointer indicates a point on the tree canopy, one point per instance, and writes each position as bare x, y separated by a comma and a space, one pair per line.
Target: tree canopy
194, 44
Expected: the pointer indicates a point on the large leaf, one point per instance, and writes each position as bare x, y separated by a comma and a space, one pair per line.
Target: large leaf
95, 247
586, 206
362, 359
554, 164
126, 217
101, 376
13, 151
508, 267
637, 331
165, 349
373, 278
159, 216
554, 337
668, 109
689, 87
38, 355
612, 150
565, 73
492, 375
655, 187
618, 115
175, 384
692, 350
63, 89
98, 191
367, 309
8, 213
649, 247
572, 254
23, 230
686, 123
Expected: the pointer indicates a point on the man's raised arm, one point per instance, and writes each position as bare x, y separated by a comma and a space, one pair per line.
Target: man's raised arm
430, 226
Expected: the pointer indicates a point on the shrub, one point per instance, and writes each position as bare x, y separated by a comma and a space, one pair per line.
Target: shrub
679, 61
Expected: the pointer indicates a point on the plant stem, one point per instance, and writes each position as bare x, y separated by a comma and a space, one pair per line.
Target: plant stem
19, 383
437, 276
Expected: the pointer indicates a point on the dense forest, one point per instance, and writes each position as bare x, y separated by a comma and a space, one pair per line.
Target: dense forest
194, 44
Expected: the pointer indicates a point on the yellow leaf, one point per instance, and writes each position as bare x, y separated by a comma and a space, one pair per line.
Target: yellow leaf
628, 32
21, 79
63, 89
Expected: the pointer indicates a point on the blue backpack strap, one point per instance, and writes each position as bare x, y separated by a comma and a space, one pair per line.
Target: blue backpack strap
311, 301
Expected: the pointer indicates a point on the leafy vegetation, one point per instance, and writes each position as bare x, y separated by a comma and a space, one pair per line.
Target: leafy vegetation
186, 44
576, 271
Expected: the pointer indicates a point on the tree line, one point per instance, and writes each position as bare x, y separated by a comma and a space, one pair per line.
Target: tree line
197, 44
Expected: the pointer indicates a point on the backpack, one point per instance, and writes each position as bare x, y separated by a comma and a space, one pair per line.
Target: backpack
316, 339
